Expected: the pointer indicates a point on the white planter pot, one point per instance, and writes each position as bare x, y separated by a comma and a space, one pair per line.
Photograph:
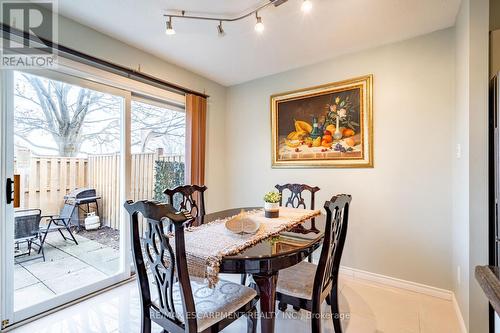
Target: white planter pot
272, 206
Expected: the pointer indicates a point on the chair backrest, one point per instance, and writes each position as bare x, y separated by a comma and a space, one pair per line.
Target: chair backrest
337, 215
27, 223
67, 210
165, 265
192, 199
296, 200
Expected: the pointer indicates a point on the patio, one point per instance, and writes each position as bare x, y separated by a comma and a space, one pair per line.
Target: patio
67, 266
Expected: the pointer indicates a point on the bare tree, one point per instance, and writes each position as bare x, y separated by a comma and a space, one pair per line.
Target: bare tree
81, 120
61, 110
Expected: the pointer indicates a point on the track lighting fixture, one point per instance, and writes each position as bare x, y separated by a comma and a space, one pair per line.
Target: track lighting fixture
306, 7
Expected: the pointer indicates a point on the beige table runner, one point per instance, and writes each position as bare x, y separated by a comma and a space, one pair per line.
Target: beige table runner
207, 244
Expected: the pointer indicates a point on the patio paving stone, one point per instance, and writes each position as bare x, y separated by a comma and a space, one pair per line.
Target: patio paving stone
75, 280
23, 278
52, 269
99, 258
31, 295
51, 254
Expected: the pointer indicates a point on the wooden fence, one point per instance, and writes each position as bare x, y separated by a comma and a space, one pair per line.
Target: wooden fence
50, 178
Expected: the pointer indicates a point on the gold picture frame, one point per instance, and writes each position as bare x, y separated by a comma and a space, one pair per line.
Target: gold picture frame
327, 126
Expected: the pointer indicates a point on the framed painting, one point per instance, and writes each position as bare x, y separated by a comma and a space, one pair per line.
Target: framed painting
325, 126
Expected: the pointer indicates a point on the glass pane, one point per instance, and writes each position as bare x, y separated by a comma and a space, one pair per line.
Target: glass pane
158, 145
67, 157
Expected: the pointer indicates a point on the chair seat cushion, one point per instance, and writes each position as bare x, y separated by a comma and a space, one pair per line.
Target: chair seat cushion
297, 281
213, 305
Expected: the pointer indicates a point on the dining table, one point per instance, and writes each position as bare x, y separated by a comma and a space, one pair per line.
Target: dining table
264, 260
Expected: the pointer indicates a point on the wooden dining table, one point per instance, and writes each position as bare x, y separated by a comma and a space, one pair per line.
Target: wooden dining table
264, 260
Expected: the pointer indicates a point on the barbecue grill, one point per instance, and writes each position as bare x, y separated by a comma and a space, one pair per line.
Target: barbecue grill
82, 198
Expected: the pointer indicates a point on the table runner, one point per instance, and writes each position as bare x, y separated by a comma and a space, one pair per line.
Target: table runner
207, 244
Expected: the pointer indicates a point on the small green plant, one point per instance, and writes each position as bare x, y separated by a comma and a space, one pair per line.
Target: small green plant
272, 197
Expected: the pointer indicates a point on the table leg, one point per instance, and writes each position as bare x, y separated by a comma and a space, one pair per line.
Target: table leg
266, 285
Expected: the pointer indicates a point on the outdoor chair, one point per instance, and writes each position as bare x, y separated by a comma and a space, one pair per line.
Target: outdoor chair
60, 222
27, 230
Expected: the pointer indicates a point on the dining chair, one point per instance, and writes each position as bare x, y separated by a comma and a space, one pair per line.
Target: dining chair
307, 285
178, 302
296, 199
189, 198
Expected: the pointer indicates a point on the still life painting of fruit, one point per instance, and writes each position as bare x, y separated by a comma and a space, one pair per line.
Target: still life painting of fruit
325, 126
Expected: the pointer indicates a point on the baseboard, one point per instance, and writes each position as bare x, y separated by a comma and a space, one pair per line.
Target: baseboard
354, 273
398, 283
461, 321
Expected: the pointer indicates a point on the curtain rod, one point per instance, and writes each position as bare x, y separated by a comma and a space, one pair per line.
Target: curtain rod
73, 54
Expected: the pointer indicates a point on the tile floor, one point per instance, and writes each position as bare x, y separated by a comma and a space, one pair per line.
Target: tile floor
66, 267
372, 308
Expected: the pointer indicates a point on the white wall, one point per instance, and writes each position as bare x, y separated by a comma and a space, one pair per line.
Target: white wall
401, 209
478, 159
87, 40
460, 211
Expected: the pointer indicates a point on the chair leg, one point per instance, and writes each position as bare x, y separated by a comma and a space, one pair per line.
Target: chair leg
252, 321
243, 279
62, 235
316, 322
310, 258
145, 325
334, 300
44, 236
70, 233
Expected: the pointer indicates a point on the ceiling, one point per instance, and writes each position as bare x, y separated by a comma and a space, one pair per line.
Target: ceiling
291, 39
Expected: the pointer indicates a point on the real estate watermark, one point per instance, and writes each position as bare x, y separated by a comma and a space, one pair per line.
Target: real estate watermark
29, 31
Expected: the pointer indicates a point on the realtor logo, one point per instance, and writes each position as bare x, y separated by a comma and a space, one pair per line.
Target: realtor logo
26, 25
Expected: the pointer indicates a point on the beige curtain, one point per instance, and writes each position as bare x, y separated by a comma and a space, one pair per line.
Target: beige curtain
196, 118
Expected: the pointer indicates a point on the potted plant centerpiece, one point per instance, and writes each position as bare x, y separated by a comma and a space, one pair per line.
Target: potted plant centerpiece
272, 204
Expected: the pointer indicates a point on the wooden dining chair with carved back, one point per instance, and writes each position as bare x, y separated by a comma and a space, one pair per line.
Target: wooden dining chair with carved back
189, 198
296, 198
169, 296
307, 285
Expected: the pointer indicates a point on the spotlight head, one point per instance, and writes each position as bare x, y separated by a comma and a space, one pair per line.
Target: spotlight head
169, 30
306, 6
259, 26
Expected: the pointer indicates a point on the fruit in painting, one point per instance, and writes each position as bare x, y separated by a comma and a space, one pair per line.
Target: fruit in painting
292, 143
330, 128
327, 138
303, 126
317, 142
292, 135
327, 132
327, 144
297, 135
350, 142
347, 132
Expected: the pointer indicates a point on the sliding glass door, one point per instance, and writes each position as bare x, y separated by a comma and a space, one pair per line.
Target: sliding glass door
65, 153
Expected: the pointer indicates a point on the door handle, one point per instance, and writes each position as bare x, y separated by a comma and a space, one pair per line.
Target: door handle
9, 191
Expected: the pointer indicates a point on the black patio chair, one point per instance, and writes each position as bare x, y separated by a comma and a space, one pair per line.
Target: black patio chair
27, 230
60, 222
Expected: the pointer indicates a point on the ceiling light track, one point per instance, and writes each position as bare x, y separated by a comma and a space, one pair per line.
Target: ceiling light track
259, 26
